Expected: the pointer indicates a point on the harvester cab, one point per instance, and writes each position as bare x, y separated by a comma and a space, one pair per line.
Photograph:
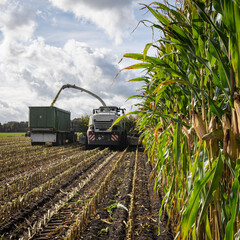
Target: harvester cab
100, 132
109, 109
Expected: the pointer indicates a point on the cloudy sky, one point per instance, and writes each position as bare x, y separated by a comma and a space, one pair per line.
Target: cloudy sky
45, 44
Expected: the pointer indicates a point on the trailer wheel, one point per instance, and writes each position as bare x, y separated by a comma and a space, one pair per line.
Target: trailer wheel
63, 139
37, 143
74, 137
58, 140
71, 137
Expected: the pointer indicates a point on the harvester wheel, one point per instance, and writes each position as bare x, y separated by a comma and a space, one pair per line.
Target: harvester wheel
86, 143
123, 141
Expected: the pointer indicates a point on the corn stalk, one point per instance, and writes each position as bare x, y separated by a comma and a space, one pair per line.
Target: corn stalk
189, 114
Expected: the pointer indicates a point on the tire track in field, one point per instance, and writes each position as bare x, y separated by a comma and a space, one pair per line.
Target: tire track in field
147, 205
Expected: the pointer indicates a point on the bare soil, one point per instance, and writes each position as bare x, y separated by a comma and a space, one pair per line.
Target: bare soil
111, 217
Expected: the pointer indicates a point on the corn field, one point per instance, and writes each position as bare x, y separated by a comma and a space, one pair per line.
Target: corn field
189, 114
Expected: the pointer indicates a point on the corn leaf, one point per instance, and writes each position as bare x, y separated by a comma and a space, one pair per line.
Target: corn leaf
159, 16
123, 116
218, 134
145, 51
215, 49
234, 198
190, 214
139, 80
140, 66
171, 81
176, 145
215, 109
214, 184
201, 8
141, 57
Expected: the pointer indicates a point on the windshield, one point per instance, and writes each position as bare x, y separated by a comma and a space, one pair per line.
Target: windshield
107, 110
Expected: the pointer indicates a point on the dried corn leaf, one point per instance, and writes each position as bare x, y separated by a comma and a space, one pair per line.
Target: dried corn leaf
235, 125
198, 124
217, 134
226, 131
237, 109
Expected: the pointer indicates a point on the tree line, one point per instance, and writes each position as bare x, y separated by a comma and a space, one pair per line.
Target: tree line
13, 126
78, 124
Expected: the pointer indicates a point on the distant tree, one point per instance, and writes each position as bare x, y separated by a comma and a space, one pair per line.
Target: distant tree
131, 124
14, 126
23, 126
81, 124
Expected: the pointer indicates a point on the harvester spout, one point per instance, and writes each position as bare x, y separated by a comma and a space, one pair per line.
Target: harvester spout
79, 88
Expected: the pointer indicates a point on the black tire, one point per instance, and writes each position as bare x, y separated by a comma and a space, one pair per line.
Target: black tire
71, 138
74, 137
37, 143
123, 141
86, 143
58, 140
63, 138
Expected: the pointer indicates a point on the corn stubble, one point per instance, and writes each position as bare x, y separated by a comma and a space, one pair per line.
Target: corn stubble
11, 207
189, 115
83, 217
131, 217
40, 224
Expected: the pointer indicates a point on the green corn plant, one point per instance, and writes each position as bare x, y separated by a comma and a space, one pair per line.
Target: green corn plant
189, 115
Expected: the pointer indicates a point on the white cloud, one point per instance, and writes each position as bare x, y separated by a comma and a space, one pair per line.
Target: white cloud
2, 2
16, 22
32, 71
34, 75
115, 17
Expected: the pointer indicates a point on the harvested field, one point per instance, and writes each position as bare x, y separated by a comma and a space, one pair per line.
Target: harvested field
69, 193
